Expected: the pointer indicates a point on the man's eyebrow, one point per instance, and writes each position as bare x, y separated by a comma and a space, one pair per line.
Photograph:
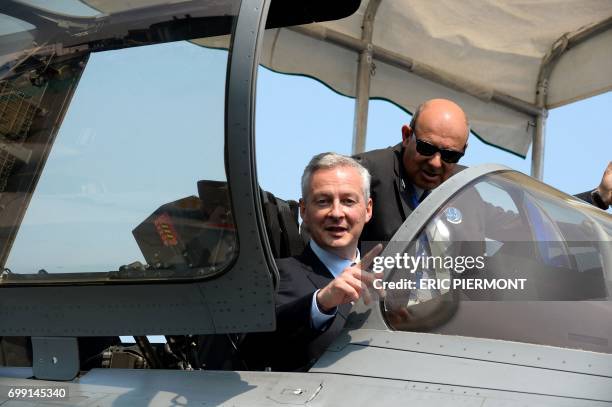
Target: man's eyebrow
357, 195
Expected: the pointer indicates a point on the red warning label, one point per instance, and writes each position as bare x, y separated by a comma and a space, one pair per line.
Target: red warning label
166, 231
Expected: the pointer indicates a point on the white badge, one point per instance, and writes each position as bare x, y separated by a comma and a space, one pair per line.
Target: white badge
453, 215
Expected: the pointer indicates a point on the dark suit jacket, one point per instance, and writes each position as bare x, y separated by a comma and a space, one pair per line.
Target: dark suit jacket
586, 196
390, 209
295, 345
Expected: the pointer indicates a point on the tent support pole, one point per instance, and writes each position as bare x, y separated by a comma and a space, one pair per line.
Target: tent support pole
364, 72
537, 150
559, 47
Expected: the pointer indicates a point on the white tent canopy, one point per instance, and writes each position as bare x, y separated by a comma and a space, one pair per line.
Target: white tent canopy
506, 62
490, 56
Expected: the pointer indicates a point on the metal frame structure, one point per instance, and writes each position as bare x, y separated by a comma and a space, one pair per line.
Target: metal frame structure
246, 301
550, 60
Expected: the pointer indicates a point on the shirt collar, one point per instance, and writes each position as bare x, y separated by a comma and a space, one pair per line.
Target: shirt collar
334, 264
418, 192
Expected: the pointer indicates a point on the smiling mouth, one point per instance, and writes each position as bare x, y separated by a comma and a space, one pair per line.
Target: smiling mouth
336, 229
430, 174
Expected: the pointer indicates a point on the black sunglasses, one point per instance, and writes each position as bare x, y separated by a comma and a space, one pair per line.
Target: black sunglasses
427, 149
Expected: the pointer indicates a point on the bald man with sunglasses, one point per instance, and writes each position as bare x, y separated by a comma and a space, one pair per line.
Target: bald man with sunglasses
403, 175
432, 145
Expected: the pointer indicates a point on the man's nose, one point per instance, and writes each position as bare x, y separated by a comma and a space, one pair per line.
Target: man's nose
435, 160
336, 209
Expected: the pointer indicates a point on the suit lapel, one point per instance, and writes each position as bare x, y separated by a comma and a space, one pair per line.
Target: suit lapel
320, 275
400, 191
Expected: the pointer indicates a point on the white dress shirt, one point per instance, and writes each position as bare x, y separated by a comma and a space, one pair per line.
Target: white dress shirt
335, 265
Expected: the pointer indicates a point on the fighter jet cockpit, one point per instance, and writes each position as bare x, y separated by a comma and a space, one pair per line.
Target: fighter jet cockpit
131, 207
127, 185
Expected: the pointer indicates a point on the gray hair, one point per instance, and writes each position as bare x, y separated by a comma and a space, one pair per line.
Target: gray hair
334, 160
422, 106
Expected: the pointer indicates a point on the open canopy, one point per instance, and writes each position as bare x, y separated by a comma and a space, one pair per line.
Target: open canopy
491, 56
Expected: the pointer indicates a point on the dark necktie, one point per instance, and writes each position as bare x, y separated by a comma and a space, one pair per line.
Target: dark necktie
411, 193
424, 195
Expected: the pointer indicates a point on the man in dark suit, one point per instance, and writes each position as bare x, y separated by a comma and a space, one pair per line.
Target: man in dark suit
433, 143
317, 287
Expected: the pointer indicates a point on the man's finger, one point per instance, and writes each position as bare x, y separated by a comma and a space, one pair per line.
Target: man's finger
380, 291
368, 258
355, 284
359, 274
367, 281
605, 179
367, 297
361, 282
349, 291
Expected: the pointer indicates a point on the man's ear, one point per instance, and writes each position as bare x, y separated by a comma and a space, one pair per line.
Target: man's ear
369, 210
302, 209
406, 133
